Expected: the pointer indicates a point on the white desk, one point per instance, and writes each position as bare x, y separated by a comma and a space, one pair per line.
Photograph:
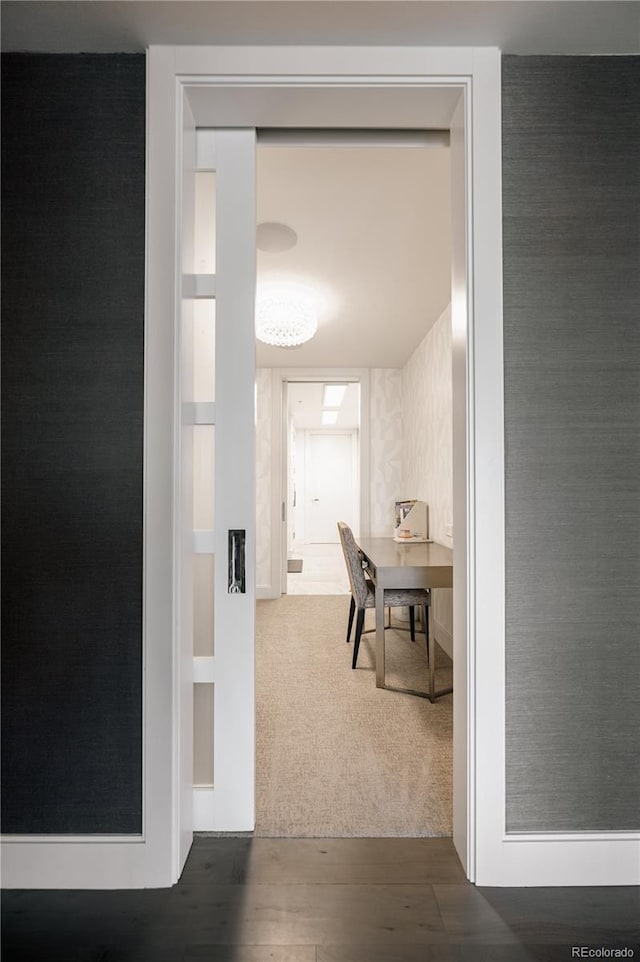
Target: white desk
394, 565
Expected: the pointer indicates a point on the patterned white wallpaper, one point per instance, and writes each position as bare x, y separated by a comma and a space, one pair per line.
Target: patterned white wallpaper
428, 439
386, 448
263, 476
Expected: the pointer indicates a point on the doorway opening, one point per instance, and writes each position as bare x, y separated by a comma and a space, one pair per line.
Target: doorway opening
430, 98
321, 482
373, 228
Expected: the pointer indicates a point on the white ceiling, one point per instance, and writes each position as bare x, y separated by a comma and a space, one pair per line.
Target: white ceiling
516, 26
373, 228
305, 406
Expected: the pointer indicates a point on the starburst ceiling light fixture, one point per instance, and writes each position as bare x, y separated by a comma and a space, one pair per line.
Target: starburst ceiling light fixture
286, 314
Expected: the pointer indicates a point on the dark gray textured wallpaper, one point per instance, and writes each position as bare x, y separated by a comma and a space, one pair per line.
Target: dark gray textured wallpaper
571, 195
73, 188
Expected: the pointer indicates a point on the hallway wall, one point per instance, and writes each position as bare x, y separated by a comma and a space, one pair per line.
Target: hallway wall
571, 207
73, 276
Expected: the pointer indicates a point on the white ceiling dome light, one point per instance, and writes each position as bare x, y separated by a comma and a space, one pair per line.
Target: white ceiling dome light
286, 314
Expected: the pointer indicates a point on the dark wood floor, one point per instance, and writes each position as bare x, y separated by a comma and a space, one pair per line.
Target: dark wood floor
318, 900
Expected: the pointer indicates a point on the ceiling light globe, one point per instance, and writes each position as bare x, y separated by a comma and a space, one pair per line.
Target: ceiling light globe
285, 319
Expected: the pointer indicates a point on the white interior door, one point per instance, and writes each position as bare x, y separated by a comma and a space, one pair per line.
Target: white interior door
220, 414
330, 485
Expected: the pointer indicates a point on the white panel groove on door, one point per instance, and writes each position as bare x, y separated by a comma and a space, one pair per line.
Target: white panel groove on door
232, 805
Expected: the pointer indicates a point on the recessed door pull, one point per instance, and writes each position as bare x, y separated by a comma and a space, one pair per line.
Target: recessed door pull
237, 561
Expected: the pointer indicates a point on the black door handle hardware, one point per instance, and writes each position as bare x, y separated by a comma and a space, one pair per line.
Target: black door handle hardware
237, 561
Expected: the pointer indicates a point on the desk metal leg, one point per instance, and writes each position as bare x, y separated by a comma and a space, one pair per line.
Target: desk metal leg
380, 637
432, 654
432, 693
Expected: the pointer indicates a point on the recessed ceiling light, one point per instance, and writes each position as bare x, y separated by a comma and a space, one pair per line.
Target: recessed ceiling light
333, 395
274, 238
329, 417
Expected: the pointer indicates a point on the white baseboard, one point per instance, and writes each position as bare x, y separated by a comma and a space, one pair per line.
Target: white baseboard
607, 858
77, 862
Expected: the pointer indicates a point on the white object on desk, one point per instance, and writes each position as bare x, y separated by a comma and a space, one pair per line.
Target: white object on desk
411, 521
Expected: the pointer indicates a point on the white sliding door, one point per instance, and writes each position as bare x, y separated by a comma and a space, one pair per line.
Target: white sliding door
218, 475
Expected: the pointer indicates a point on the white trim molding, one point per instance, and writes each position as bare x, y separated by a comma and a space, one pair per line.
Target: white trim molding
90, 862
605, 858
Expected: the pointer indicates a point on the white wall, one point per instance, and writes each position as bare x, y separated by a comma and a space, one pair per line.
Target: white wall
427, 449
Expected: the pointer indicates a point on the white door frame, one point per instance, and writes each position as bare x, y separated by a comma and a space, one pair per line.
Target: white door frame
280, 377
220, 79
236, 84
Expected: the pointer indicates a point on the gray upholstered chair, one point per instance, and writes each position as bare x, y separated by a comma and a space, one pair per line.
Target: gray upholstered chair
363, 593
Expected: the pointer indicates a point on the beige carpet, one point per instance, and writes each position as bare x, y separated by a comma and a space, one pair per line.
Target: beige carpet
336, 756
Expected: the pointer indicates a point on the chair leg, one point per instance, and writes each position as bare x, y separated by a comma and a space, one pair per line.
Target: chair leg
352, 611
412, 622
359, 627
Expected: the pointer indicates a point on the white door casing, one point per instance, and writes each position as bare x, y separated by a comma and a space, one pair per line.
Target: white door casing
206, 112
